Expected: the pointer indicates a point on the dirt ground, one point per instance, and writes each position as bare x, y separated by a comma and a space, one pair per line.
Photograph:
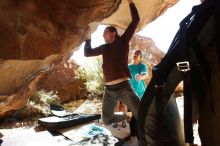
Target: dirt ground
12, 126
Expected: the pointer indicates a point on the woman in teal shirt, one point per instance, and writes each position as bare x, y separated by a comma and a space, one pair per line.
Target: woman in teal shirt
139, 72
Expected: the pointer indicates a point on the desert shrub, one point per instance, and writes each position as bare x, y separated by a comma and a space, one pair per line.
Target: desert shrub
42, 99
92, 73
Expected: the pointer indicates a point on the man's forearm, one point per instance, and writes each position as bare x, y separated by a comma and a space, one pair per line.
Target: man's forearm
134, 12
87, 47
127, 35
130, 1
89, 51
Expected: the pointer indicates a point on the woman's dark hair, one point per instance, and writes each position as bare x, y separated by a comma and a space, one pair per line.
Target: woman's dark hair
139, 52
112, 29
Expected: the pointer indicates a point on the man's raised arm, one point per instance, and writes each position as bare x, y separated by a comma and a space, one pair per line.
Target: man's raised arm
88, 51
134, 23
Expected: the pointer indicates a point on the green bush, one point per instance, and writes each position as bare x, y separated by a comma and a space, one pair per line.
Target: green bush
42, 99
92, 73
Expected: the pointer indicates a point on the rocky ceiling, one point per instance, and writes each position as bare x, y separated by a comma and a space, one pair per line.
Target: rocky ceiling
35, 29
31, 30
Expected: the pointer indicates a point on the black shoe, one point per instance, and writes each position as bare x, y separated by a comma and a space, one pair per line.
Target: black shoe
123, 124
115, 125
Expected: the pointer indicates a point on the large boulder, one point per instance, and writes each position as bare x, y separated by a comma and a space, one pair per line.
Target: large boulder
19, 79
36, 29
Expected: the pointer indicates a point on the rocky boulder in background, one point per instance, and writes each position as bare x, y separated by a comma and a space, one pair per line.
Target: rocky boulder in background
65, 82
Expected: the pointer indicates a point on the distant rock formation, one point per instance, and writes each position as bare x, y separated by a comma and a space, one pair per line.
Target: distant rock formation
151, 53
65, 82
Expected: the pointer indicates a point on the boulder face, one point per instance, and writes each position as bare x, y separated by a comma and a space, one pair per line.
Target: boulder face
16, 73
19, 80
148, 11
36, 29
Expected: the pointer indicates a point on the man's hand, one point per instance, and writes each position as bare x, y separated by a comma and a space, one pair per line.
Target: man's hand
88, 34
129, 1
